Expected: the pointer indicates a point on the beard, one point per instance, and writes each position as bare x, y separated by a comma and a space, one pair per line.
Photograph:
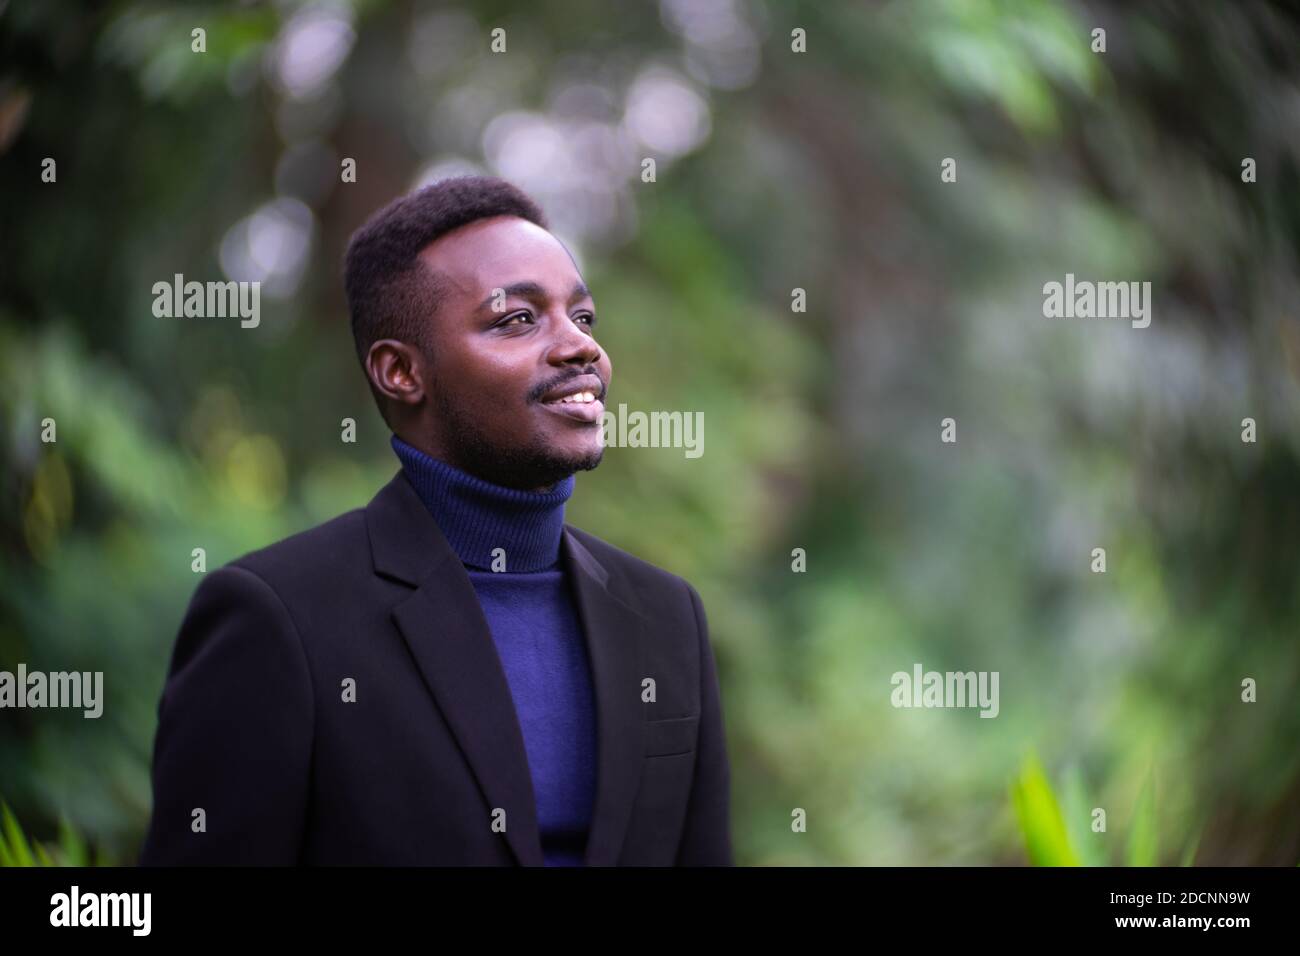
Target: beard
533, 466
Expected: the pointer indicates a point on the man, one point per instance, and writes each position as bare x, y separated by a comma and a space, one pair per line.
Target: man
451, 675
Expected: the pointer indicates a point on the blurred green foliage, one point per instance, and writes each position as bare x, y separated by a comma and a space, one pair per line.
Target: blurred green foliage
1069, 830
16, 850
776, 171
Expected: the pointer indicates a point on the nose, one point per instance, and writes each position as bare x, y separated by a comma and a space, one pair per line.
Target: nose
573, 346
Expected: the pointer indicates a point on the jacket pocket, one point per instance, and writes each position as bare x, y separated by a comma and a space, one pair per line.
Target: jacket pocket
672, 735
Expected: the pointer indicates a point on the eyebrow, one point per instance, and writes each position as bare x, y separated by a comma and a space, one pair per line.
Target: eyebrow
533, 290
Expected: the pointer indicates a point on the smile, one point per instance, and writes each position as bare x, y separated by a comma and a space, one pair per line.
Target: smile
580, 406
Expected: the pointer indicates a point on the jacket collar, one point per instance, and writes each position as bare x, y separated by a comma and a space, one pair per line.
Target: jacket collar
443, 624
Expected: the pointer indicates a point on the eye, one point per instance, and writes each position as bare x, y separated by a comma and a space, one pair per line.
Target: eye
510, 318
591, 319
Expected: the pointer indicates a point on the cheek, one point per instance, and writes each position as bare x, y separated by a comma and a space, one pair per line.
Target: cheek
493, 383
506, 369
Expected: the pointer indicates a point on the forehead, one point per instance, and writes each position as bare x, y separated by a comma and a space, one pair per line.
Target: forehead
494, 253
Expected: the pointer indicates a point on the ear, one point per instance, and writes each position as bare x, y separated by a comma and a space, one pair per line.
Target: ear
397, 370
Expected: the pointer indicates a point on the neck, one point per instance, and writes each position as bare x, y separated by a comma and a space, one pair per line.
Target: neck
489, 526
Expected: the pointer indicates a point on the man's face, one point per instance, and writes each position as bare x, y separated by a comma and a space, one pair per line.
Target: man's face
512, 336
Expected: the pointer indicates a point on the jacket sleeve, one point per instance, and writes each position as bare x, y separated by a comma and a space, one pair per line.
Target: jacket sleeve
234, 731
706, 835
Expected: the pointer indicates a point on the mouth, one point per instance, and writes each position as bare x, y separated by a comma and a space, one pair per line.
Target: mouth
578, 400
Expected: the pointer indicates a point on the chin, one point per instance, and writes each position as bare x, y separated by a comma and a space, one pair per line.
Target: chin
591, 459
542, 466
577, 459
581, 451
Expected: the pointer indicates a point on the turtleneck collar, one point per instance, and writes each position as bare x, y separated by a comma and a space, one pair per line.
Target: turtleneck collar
477, 516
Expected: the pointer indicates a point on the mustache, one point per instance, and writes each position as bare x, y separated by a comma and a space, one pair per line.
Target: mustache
539, 391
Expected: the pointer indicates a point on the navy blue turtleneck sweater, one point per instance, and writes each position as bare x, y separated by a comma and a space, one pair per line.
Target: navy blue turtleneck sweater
530, 612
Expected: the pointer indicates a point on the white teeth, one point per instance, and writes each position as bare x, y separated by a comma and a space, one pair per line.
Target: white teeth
578, 398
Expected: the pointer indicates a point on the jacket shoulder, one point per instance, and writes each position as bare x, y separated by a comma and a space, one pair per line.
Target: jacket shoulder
335, 543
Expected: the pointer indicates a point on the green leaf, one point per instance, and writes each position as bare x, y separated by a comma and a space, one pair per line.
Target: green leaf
71, 845
1041, 821
1189, 852
1078, 821
19, 853
1142, 842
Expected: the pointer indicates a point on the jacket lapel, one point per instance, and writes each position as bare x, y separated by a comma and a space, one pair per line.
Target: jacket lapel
613, 632
444, 627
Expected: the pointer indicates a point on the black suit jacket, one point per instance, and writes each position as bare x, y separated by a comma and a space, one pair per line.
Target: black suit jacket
254, 730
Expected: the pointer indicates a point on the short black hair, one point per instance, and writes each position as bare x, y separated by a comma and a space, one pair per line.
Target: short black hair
390, 293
